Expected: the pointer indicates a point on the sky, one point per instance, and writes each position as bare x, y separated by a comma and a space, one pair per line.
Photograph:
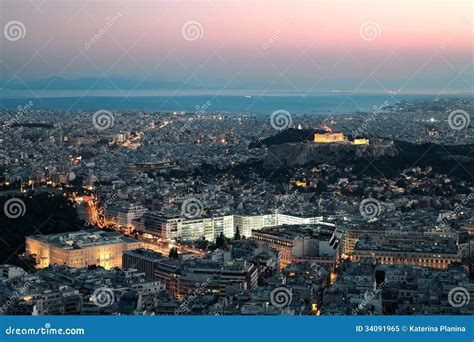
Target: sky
266, 46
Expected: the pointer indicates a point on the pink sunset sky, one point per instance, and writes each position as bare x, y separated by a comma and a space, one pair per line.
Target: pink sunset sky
290, 45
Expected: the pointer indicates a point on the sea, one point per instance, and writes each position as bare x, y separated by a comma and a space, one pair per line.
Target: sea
337, 103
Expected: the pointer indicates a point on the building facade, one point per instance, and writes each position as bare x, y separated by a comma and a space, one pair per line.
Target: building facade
80, 249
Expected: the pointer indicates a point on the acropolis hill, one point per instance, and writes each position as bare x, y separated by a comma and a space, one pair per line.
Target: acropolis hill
328, 147
337, 138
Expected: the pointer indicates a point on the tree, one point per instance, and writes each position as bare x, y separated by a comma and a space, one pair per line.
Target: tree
220, 241
173, 253
237, 234
202, 243
53, 212
30, 262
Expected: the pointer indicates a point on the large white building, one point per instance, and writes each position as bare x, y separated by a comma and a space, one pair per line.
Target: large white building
170, 227
124, 214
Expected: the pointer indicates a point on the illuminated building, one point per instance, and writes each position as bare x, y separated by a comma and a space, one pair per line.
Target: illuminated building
80, 249
301, 243
413, 251
123, 213
329, 137
174, 227
352, 236
247, 223
238, 272
142, 260
298, 183
131, 212
361, 141
337, 137
181, 276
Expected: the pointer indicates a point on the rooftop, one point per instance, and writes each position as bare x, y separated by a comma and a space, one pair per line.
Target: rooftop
290, 232
84, 239
406, 245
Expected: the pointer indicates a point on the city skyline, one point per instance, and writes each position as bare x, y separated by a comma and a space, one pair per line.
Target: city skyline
238, 158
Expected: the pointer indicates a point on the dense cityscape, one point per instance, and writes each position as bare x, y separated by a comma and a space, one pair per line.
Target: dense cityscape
213, 213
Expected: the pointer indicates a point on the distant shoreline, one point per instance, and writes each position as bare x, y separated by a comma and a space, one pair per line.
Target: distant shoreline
337, 103
251, 93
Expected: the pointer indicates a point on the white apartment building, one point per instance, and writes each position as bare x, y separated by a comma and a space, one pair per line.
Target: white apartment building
211, 227
124, 214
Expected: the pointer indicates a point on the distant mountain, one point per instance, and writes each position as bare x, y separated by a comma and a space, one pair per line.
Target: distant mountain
96, 83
